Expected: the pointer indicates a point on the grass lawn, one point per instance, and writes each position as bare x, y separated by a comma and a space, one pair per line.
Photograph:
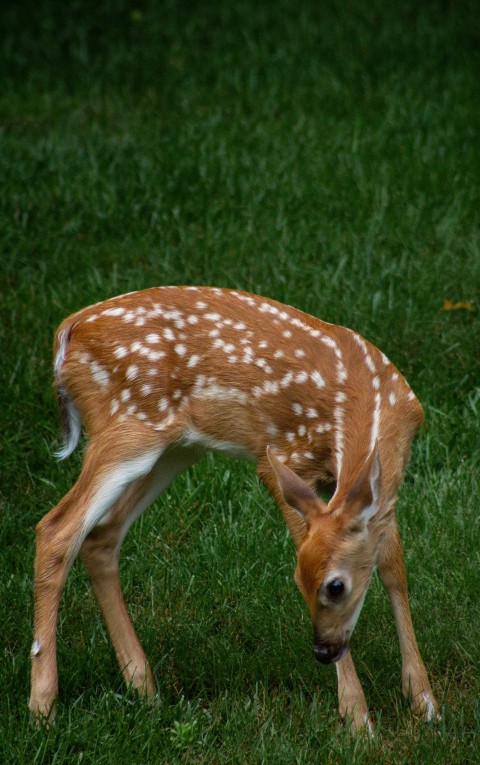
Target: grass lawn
325, 154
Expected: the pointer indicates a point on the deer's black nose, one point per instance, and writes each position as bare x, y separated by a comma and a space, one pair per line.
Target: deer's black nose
326, 653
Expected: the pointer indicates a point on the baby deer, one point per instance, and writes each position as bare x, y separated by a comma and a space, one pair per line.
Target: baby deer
159, 376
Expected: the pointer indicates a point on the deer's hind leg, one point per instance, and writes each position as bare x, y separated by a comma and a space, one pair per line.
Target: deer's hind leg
100, 554
110, 467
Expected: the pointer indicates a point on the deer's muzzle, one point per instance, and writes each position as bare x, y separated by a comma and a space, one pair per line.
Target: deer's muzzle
327, 653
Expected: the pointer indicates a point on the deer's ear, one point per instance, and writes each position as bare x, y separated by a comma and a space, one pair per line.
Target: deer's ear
296, 493
364, 496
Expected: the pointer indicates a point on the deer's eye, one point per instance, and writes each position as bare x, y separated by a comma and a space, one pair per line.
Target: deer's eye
336, 588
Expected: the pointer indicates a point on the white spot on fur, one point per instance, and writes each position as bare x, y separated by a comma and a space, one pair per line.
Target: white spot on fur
155, 356
192, 319
311, 413
329, 341
132, 372
324, 427
338, 416
180, 350
392, 399
193, 361
114, 406
298, 323
302, 430
299, 353
99, 374
317, 379
35, 648
125, 395
262, 363
120, 352
360, 341
114, 311
270, 387
173, 315
376, 421
247, 355
169, 420
297, 408
341, 373
286, 380
153, 337
168, 334
146, 389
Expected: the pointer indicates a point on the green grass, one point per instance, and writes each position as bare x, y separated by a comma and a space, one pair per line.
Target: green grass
324, 154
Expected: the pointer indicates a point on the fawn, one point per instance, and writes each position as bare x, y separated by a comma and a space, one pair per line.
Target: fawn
161, 375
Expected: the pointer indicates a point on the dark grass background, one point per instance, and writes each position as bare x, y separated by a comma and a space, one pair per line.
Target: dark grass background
325, 154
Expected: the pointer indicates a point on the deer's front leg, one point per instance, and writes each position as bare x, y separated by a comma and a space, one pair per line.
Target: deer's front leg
352, 705
415, 684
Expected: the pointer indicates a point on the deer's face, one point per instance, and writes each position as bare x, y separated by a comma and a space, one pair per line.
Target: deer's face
337, 547
334, 568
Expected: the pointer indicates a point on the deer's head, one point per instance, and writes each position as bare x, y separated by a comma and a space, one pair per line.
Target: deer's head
336, 551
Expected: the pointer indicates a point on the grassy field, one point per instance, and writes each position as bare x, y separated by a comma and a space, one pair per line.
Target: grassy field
324, 154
